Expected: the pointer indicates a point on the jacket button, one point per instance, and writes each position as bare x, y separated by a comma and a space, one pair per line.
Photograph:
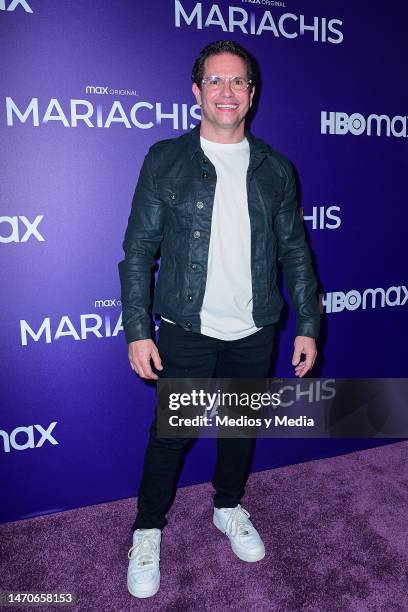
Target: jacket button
173, 196
189, 297
205, 160
200, 204
187, 325
196, 234
194, 267
205, 175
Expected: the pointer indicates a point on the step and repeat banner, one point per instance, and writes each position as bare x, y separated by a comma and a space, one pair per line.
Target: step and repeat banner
86, 87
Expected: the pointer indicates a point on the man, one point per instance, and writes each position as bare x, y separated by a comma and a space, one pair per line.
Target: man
221, 206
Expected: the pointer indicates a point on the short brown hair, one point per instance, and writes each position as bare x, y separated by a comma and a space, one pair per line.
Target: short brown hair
216, 48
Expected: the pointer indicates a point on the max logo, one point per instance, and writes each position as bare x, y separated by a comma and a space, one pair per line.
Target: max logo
14, 229
27, 437
14, 4
92, 89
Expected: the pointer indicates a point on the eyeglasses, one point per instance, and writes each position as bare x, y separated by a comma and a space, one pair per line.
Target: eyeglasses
216, 83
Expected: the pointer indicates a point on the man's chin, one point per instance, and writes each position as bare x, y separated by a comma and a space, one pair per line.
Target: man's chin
228, 122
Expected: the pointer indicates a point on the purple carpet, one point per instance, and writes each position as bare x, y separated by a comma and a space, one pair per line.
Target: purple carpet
335, 531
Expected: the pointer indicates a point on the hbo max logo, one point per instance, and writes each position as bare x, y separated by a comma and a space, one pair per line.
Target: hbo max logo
356, 124
370, 298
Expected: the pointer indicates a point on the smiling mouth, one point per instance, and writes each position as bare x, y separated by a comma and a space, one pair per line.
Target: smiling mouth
227, 106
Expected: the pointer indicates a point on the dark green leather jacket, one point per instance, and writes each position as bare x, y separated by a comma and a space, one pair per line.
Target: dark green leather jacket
171, 212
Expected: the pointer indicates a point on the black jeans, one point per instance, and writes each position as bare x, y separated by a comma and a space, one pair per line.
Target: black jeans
184, 355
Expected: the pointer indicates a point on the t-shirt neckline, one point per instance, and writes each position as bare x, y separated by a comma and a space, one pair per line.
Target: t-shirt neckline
218, 146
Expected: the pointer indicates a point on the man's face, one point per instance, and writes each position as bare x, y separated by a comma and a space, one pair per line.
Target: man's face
225, 108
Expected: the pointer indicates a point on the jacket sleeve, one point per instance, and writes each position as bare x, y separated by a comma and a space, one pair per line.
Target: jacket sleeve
294, 254
143, 236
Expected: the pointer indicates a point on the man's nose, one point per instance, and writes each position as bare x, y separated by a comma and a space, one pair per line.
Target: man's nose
226, 88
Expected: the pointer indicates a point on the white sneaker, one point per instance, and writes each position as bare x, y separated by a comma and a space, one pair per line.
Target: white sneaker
245, 540
143, 577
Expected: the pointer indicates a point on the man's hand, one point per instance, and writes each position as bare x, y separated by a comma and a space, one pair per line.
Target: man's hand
140, 352
307, 346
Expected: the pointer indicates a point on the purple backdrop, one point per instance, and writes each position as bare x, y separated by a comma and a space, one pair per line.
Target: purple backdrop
86, 87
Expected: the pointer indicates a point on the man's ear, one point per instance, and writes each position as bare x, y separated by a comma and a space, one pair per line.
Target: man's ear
251, 95
197, 93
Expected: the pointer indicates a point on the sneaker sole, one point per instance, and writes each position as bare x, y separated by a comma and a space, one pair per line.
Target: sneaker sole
243, 555
144, 593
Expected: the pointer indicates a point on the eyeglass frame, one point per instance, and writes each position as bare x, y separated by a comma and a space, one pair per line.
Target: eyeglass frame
249, 82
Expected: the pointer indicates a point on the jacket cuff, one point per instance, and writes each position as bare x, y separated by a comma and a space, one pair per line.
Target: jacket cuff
138, 330
308, 327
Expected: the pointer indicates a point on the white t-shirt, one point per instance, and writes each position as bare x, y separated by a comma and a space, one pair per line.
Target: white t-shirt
226, 311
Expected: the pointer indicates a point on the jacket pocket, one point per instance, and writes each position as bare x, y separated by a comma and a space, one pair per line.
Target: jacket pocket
178, 196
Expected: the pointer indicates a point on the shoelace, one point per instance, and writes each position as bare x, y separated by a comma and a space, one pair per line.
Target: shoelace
237, 523
145, 550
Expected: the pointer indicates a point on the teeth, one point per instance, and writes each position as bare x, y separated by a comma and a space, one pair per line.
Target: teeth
227, 106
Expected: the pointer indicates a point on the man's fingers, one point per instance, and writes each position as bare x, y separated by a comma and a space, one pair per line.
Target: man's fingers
308, 362
296, 356
145, 370
304, 345
145, 364
301, 370
137, 367
150, 374
156, 360
140, 353
147, 374
306, 365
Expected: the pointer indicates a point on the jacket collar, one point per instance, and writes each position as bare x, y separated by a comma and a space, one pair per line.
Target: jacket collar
257, 148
